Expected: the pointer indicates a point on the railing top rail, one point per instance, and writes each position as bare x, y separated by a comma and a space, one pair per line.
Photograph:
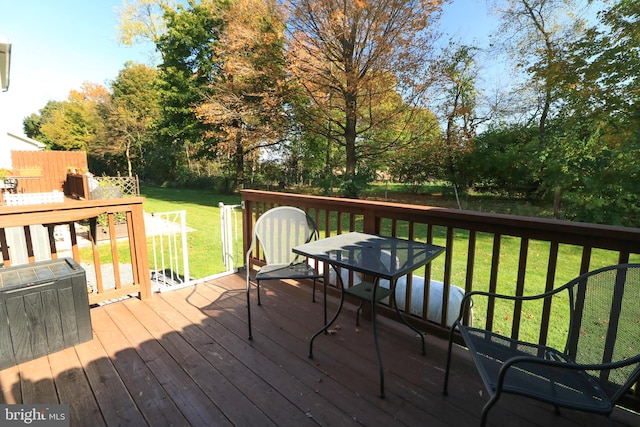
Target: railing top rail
595, 235
70, 204
70, 210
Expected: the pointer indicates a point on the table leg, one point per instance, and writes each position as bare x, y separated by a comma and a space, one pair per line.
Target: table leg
375, 340
402, 318
335, 316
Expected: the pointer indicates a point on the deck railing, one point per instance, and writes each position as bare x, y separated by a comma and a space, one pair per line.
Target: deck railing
484, 251
28, 218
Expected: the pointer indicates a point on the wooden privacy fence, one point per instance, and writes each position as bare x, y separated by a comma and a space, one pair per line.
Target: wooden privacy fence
490, 252
44, 171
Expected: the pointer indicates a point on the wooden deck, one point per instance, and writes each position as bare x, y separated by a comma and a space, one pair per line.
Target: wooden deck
182, 358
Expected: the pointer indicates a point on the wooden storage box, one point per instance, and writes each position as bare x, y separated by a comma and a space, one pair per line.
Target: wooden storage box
44, 308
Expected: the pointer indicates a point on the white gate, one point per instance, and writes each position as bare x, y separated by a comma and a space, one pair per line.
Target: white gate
168, 231
231, 244
170, 251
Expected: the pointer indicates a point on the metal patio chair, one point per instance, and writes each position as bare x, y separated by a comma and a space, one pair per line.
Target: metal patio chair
11, 185
277, 231
600, 360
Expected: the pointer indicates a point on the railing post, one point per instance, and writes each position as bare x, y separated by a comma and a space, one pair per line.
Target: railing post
138, 245
370, 224
85, 187
247, 227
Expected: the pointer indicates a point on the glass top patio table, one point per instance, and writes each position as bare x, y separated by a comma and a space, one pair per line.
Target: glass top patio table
376, 257
371, 254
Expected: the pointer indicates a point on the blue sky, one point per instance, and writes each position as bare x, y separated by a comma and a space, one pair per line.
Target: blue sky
58, 45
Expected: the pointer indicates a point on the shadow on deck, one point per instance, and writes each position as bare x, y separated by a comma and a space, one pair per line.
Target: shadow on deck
182, 358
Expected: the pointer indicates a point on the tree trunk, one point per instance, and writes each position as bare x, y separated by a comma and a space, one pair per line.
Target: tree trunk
128, 155
557, 199
350, 135
328, 170
239, 161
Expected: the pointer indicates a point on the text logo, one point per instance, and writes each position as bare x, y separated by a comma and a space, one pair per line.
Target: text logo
34, 415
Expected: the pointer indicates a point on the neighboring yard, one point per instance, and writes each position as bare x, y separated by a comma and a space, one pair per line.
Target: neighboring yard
203, 216
443, 195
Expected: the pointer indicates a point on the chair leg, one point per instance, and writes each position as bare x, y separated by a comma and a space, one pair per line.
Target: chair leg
249, 307
258, 287
445, 389
487, 407
358, 313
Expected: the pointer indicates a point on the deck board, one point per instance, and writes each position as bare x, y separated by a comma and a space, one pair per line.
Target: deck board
277, 379
237, 392
150, 396
116, 404
37, 381
72, 385
183, 358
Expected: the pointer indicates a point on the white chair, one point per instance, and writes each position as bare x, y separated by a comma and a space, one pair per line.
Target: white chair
278, 231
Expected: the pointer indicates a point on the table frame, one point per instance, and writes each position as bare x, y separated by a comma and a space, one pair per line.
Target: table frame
340, 252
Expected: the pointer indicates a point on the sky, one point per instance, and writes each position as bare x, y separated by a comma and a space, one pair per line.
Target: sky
57, 45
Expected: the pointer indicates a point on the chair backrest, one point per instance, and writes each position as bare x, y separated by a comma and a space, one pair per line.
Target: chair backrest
279, 230
605, 324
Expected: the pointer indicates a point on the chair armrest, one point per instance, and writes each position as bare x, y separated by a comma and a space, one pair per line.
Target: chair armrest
515, 297
570, 364
467, 300
512, 362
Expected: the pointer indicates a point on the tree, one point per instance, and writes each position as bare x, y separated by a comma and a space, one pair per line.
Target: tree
349, 55
132, 112
505, 161
420, 160
537, 33
185, 75
32, 124
598, 160
602, 85
77, 123
457, 72
143, 20
247, 102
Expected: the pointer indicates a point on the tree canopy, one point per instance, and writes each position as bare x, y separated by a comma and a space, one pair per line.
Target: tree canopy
337, 93
352, 57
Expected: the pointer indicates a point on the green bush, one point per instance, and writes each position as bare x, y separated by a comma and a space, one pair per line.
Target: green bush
504, 162
353, 185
